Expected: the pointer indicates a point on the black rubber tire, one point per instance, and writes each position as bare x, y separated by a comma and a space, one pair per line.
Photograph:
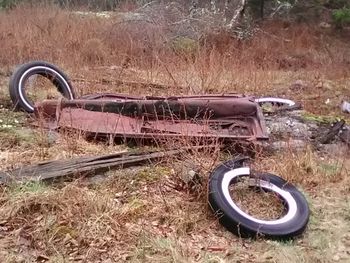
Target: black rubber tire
242, 226
45, 69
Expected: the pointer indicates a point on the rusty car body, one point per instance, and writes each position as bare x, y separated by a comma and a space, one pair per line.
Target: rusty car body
231, 116
228, 116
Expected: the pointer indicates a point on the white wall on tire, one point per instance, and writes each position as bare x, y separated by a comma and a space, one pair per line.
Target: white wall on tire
20, 92
276, 100
291, 203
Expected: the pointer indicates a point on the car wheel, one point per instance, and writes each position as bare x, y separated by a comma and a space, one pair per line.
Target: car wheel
295, 208
29, 74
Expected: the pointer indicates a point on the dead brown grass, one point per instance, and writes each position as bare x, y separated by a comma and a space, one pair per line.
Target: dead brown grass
99, 51
257, 202
307, 167
153, 214
71, 39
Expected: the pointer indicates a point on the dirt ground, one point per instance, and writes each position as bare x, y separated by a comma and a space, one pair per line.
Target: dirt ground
148, 214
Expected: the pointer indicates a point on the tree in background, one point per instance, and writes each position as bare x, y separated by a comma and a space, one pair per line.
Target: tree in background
233, 12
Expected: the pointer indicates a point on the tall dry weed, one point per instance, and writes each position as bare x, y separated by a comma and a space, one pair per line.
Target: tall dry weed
76, 40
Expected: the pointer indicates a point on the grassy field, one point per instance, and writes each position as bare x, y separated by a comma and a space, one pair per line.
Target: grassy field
149, 214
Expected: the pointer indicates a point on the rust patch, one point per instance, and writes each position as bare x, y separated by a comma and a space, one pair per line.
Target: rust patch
220, 116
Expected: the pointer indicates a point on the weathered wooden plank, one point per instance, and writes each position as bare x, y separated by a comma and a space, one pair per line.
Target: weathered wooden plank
82, 166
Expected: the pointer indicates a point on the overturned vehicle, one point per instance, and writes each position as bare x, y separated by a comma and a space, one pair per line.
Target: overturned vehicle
225, 117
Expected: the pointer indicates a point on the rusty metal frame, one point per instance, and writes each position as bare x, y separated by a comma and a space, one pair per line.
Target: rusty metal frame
232, 116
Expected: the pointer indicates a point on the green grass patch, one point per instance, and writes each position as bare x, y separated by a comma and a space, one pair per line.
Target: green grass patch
330, 170
28, 188
321, 119
153, 174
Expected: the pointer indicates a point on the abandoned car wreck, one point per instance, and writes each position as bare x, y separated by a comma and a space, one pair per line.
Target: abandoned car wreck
223, 117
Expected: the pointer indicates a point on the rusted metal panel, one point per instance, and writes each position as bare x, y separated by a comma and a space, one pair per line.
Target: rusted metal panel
220, 116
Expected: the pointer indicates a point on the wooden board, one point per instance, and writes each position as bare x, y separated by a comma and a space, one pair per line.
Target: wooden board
82, 166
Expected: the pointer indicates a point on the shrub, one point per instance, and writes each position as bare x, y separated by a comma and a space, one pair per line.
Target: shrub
7, 3
337, 4
341, 17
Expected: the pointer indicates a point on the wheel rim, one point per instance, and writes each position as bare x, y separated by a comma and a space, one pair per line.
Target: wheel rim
286, 196
38, 70
276, 101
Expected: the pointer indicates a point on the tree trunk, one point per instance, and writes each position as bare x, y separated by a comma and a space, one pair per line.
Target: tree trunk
238, 14
262, 5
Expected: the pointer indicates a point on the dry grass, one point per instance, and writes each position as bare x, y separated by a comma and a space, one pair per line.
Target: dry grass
154, 214
102, 50
308, 168
257, 202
